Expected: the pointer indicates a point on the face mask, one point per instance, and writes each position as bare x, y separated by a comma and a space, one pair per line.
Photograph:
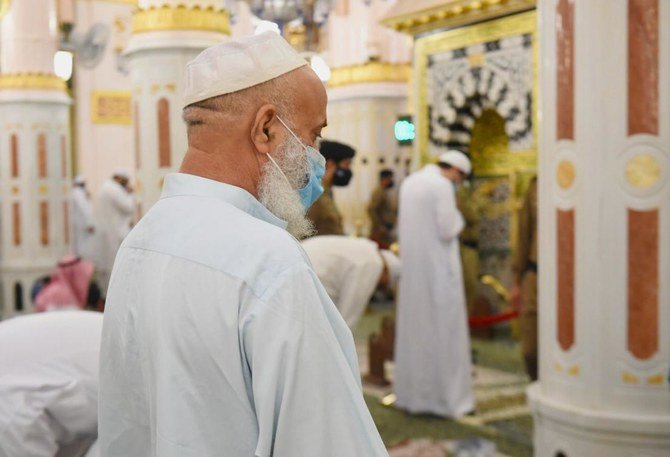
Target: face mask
312, 190
342, 177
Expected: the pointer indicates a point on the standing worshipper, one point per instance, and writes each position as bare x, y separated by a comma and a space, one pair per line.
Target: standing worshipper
115, 209
383, 210
525, 273
325, 216
433, 371
82, 225
218, 337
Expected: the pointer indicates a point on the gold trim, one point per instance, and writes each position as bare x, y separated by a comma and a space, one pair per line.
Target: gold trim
468, 36
4, 6
32, 81
181, 17
629, 378
643, 171
372, 72
657, 380
127, 2
455, 13
111, 107
565, 174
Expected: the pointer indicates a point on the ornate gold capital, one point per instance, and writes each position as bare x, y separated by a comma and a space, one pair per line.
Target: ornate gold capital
452, 13
372, 72
31, 81
181, 17
4, 6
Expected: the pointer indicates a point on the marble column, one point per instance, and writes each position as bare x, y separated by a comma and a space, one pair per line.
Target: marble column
363, 115
166, 35
604, 229
367, 92
34, 151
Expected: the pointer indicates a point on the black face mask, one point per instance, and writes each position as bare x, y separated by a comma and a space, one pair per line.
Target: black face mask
342, 177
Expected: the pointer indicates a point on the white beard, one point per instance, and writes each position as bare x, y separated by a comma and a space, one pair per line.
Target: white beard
280, 197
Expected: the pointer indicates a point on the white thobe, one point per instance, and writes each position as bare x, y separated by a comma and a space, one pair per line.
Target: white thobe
114, 213
81, 220
219, 339
48, 382
349, 269
432, 348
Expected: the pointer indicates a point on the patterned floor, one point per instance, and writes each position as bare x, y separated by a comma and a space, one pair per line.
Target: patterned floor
502, 415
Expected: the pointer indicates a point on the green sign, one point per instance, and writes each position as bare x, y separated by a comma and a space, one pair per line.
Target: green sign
404, 130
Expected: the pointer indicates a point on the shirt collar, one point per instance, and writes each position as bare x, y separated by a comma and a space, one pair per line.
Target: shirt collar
180, 184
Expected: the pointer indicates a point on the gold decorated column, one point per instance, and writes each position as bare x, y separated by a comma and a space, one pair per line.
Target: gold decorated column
166, 35
34, 151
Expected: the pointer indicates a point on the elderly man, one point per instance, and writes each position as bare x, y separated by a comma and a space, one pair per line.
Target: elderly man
218, 337
432, 347
115, 209
351, 270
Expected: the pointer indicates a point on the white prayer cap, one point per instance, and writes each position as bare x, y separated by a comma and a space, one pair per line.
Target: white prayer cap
392, 264
79, 180
238, 64
457, 160
122, 173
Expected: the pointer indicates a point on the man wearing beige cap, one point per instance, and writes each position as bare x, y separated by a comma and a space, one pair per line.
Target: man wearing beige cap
432, 347
219, 340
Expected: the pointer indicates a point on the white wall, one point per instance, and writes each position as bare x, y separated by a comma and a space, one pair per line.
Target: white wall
101, 148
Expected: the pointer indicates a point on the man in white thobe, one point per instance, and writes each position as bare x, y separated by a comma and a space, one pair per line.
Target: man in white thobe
82, 225
114, 214
351, 269
49, 383
219, 339
433, 372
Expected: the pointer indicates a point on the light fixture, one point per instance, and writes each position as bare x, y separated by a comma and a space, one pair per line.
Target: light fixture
63, 65
311, 13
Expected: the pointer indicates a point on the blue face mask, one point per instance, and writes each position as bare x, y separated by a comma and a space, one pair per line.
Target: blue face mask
313, 189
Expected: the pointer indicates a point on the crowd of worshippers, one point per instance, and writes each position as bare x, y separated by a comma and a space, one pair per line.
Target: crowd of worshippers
227, 322
80, 279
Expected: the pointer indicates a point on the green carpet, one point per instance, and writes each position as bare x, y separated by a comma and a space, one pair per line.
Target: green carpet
501, 354
512, 436
396, 426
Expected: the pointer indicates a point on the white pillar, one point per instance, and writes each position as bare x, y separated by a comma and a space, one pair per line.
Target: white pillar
167, 34
364, 101
34, 151
363, 115
604, 229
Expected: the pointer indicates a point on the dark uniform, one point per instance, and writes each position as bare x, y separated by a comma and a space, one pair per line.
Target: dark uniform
325, 215
470, 207
526, 275
383, 212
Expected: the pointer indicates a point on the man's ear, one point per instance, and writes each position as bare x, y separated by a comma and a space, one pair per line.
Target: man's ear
264, 129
